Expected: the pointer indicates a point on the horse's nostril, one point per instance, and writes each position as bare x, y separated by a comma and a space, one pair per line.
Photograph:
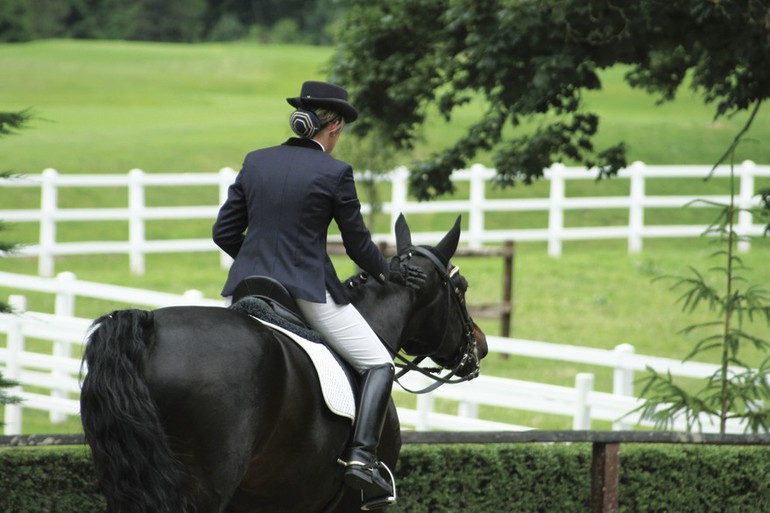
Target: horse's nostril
482, 349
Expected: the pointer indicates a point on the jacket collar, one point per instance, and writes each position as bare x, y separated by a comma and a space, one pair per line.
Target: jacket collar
303, 143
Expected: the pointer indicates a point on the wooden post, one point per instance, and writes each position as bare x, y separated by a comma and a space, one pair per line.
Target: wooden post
506, 315
605, 473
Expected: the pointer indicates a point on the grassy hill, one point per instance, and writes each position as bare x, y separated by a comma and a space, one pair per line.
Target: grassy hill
108, 107
111, 106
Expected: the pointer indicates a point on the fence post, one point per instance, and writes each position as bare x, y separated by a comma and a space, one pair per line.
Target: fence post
636, 208
477, 199
136, 232
508, 270
14, 348
622, 379
746, 172
48, 207
425, 404
64, 306
193, 296
605, 477
584, 385
17, 303
226, 178
468, 410
556, 211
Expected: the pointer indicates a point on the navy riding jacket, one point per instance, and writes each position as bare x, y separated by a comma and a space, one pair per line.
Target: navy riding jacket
276, 218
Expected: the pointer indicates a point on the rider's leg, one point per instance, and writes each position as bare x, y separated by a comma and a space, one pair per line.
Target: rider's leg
348, 333
360, 457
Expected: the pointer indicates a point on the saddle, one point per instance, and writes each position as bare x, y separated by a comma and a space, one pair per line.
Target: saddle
268, 301
274, 294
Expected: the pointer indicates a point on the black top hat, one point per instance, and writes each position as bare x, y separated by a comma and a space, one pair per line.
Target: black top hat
326, 95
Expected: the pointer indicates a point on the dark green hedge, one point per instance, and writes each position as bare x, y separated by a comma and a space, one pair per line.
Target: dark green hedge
48, 480
505, 478
697, 479
494, 478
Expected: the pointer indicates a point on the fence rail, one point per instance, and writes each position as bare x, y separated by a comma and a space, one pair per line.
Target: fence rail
582, 403
66, 287
475, 207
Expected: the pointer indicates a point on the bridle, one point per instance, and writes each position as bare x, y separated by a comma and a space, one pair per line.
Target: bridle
469, 350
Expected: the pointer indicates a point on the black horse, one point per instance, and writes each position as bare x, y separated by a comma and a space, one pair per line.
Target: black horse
205, 410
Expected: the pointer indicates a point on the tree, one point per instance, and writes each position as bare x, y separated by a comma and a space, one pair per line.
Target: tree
739, 389
9, 123
168, 20
533, 59
310, 16
373, 155
24, 20
98, 19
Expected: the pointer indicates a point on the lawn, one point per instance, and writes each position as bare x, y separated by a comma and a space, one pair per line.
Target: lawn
108, 107
113, 106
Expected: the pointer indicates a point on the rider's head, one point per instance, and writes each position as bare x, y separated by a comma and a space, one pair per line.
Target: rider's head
322, 112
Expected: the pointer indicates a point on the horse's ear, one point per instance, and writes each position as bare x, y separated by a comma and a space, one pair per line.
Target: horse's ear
403, 235
448, 245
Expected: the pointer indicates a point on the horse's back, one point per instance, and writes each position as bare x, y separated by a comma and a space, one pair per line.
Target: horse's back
242, 407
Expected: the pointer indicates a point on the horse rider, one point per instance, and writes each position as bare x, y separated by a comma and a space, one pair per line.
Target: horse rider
275, 222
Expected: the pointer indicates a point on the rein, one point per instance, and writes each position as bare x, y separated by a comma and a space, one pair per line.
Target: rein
469, 349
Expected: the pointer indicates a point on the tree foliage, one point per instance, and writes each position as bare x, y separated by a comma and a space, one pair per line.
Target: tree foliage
372, 154
9, 123
174, 20
533, 60
161, 20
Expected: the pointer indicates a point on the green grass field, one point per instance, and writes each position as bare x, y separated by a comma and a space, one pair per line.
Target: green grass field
112, 106
108, 107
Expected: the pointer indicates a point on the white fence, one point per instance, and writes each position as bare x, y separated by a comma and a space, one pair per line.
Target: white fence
137, 214
66, 287
57, 369
582, 403
65, 333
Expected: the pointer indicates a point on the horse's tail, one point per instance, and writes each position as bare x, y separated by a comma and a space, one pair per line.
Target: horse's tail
135, 467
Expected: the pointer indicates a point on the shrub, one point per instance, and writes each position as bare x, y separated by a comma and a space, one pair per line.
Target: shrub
49, 480
525, 478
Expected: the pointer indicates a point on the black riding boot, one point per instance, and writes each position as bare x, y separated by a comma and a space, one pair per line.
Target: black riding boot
360, 458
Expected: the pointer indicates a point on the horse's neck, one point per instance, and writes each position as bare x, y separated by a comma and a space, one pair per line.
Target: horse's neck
387, 314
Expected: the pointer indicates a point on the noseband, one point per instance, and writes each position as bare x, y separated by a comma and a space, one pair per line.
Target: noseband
469, 351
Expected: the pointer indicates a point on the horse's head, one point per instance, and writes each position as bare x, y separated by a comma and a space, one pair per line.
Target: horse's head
440, 326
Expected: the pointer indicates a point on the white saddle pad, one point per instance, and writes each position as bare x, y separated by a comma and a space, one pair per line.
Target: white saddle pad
335, 387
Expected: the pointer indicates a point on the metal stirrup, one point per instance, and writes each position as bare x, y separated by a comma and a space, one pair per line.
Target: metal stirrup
384, 501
